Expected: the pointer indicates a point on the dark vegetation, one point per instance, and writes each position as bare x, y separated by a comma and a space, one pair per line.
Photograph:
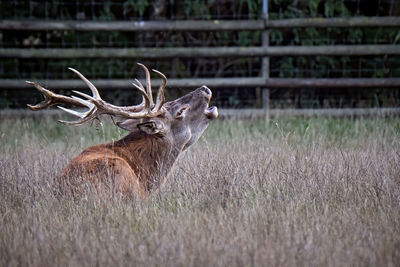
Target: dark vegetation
301, 67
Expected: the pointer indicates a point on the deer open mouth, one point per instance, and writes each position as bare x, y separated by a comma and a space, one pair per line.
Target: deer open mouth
211, 112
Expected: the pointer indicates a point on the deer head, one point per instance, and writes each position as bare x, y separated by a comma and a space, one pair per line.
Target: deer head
182, 120
173, 126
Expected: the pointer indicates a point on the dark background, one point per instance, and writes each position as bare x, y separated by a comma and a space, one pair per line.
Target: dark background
285, 67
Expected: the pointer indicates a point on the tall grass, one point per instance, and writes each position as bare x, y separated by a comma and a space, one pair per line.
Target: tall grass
294, 192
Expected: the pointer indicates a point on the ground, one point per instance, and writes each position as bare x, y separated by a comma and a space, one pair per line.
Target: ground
291, 192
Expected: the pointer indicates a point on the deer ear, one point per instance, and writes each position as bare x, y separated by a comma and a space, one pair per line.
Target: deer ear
149, 127
152, 127
129, 124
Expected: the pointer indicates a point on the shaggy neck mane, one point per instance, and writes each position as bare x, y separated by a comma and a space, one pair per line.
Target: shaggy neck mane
151, 157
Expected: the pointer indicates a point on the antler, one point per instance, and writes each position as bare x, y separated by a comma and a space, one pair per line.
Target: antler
98, 106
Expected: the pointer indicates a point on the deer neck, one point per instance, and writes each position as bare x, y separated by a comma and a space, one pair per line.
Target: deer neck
151, 157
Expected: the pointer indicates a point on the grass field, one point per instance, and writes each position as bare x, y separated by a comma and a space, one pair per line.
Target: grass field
294, 192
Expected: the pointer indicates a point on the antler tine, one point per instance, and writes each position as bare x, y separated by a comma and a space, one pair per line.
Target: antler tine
73, 112
146, 97
84, 95
85, 116
148, 84
93, 88
160, 94
47, 97
96, 106
51, 98
83, 102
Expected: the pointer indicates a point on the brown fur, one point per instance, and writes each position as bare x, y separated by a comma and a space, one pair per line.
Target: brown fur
132, 165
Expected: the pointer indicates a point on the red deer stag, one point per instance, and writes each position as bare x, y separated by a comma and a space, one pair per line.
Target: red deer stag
140, 161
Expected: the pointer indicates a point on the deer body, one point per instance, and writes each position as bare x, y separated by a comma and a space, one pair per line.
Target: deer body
134, 164
138, 163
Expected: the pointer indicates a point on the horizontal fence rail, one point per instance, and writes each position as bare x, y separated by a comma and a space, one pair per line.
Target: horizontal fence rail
192, 52
334, 22
263, 51
110, 84
196, 25
186, 25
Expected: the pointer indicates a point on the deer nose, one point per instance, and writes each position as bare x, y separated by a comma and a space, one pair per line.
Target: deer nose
206, 90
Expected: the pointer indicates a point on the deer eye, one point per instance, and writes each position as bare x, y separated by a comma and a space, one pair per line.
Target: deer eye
181, 112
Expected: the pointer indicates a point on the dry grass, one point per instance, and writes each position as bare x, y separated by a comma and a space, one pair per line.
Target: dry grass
315, 192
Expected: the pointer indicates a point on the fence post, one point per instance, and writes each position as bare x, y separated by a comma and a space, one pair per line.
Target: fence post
265, 61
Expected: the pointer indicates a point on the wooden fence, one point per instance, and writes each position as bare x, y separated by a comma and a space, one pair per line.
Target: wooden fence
265, 51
